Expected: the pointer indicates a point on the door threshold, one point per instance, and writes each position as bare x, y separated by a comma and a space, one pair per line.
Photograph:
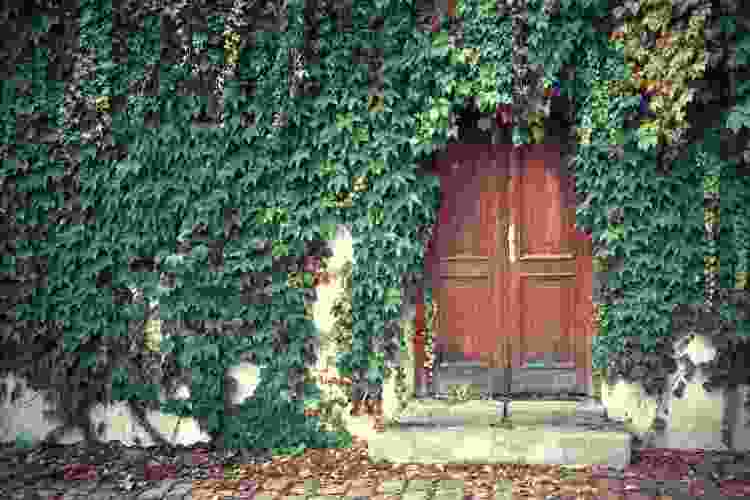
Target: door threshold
533, 396
502, 397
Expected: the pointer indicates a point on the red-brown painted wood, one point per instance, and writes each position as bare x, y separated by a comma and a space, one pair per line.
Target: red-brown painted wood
419, 339
515, 276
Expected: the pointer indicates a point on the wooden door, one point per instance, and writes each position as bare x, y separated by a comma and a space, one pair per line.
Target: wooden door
514, 295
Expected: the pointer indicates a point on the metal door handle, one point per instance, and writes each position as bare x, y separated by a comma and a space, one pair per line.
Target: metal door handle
512, 243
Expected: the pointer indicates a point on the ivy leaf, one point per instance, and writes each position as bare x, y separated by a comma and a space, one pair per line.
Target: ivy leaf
488, 8
373, 374
279, 250
328, 230
648, 136
440, 47
210, 351
613, 234
101, 262
298, 156
250, 133
126, 167
344, 121
199, 253
739, 116
411, 200
461, 88
241, 158
392, 298
323, 101
743, 51
360, 135
727, 24
339, 183
457, 57
440, 39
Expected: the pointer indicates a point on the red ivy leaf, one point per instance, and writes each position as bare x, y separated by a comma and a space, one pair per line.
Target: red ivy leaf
159, 472
82, 472
503, 115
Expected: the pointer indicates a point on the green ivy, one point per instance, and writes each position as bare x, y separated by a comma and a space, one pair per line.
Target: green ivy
336, 162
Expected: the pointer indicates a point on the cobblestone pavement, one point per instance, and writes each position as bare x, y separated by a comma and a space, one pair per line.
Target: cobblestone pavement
113, 471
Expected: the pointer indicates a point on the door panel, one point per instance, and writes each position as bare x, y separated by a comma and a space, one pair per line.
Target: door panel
545, 288
469, 301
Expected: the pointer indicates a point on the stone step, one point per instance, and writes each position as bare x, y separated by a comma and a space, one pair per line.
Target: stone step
561, 433
489, 412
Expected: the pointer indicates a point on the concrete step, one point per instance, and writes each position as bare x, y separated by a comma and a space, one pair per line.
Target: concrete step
547, 432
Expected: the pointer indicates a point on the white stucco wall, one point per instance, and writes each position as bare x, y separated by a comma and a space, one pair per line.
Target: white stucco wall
693, 421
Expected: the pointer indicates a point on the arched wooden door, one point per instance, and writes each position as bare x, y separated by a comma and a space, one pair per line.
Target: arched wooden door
515, 277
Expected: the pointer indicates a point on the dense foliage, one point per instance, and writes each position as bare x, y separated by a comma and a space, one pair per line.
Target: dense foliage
157, 148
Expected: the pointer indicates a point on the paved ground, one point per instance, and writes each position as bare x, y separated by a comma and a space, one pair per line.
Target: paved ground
349, 474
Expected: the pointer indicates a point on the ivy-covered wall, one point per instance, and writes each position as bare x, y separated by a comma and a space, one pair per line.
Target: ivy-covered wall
144, 142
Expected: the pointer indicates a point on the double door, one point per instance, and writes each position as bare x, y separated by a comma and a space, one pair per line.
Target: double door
512, 275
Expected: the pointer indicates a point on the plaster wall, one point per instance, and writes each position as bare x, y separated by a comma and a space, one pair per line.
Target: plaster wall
693, 421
